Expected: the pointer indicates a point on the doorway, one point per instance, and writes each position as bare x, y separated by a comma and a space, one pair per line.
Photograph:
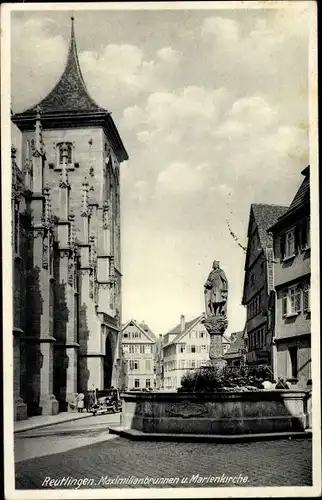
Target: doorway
108, 363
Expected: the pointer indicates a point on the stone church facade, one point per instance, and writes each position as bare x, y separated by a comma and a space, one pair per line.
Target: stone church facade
66, 156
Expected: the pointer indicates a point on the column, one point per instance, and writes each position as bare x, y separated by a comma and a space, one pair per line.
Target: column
20, 408
47, 400
71, 340
67, 275
216, 327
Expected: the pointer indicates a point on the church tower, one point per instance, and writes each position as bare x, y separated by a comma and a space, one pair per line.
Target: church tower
71, 153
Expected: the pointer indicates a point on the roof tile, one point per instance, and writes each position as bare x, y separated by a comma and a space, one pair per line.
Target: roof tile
70, 93
265, 216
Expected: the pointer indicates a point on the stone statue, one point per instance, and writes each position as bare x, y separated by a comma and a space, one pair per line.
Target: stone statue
216, 292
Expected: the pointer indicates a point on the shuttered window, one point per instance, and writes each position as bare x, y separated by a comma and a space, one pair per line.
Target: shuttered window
290, 244
298, 238
292, 301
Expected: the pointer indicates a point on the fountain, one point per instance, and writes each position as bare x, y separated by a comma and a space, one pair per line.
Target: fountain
219, 416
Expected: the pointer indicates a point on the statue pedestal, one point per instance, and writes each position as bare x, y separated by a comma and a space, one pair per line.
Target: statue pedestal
216, 327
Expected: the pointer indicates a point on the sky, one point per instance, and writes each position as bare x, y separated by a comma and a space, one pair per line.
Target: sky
212, 107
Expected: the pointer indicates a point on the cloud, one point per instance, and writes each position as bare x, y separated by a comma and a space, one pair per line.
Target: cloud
170, 55
179, 177
233, 140
173, 117
224, 29
115, 74
41, 58
214, 117
141, 191
126, 73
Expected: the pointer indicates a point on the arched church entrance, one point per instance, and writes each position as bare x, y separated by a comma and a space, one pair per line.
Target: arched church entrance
108, 363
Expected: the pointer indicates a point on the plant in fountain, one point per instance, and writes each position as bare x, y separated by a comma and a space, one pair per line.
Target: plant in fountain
214, 378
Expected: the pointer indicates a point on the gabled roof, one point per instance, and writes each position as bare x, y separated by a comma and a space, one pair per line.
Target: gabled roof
177, 330
301, 198
146, 330
265, 215
188, 326
70, 92
236, 343
145, 327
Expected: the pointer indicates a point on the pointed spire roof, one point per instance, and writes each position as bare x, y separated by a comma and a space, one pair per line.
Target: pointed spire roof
70, 105
70, 92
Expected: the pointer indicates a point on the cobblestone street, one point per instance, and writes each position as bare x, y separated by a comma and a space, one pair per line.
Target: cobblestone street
270, 463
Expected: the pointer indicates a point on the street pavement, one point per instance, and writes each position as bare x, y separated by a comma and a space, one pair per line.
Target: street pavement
94, 458
63, 437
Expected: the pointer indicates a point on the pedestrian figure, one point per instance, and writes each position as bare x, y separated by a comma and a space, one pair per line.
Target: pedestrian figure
86, 399
80, 403
91, 399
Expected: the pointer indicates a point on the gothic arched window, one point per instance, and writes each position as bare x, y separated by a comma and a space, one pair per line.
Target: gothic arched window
65, 149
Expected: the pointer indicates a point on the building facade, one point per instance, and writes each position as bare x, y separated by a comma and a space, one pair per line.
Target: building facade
258, 283
186, 347
235, 355
139, 348
66, 157
292, 276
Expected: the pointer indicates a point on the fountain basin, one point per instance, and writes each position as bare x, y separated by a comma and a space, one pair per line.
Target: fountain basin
214, 415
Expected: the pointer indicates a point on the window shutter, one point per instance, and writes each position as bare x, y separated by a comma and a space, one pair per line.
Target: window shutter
284, 305
291, 243
308, 235
298, 238
306, 298
282, 246
298, 301
303, 234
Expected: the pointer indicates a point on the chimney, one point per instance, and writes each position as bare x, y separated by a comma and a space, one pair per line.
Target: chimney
182, 323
